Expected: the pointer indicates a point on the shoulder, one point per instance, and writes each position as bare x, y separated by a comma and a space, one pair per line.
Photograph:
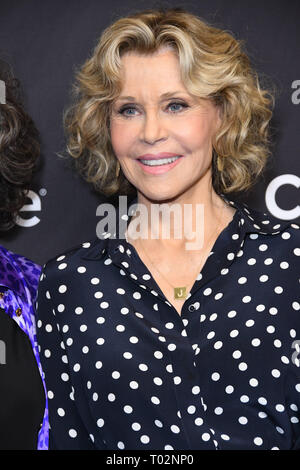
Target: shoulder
283, 238
260, 225
64, 264
18, 273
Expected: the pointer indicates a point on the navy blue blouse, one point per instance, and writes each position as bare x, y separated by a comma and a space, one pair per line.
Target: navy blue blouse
125, 371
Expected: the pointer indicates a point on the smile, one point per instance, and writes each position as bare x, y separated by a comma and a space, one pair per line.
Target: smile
159, 166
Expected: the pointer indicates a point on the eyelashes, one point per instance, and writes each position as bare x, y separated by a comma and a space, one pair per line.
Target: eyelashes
125, 108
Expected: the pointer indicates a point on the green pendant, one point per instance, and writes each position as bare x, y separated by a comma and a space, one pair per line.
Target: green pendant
180, 292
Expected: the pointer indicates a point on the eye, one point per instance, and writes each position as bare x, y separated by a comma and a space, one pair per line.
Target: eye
177, 103
126, 108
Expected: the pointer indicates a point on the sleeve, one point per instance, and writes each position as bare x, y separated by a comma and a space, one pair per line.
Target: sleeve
67, 429
291, 264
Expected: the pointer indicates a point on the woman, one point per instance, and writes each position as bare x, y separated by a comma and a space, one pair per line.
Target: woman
23, 410
151, 345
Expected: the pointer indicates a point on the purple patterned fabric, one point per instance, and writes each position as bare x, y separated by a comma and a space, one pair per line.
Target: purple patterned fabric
20, 278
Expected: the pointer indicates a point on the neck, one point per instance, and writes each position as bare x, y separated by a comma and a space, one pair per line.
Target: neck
201, 211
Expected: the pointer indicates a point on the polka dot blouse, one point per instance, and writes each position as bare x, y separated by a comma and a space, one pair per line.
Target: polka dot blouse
125, 371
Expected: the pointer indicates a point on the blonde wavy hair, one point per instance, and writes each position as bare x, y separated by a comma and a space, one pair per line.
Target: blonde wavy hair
213, 66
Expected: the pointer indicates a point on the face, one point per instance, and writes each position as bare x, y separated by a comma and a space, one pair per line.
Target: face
155, 114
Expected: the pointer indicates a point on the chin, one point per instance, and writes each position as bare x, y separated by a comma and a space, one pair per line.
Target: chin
161, 196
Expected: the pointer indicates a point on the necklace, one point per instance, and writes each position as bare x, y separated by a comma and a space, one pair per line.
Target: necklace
181, 292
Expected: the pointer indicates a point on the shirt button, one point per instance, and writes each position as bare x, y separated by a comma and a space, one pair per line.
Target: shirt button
19, 311
191, 308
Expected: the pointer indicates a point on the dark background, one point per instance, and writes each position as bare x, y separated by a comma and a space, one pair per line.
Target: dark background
45, 40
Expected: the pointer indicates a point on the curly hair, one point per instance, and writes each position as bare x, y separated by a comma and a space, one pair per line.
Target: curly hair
19, 149
213, 66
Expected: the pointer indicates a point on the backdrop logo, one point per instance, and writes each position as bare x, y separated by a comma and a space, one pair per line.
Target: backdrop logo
2, 352
270, 197
296, 94
2, 92
34, 205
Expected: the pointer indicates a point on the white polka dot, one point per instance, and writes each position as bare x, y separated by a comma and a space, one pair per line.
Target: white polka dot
61, 412
260, 308
133, 384
276, 373
243, 420
258, 441
215, 376
198, 421
81, 269
191, 409
136, 426
284, 265
104, 305
262, 401
145, 439
244, 399
236, 354
175, 429
62, 266
196, 390
128, 409
278, 290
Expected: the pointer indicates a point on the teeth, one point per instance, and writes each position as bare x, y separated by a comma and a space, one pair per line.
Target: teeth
163, 161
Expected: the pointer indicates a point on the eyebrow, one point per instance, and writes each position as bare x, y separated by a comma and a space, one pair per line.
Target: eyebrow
166, 95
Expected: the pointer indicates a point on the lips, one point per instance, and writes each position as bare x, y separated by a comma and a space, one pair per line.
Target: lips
158, 156
159, 168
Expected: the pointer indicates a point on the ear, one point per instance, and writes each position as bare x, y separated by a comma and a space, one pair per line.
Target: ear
219, 114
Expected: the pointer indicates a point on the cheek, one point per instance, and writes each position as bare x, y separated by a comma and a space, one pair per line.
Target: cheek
120, 138
196, 133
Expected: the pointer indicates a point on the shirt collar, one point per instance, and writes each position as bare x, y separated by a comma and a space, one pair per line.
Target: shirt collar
256, 221
247, 219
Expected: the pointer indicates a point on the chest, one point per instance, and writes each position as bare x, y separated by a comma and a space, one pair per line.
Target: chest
176, 272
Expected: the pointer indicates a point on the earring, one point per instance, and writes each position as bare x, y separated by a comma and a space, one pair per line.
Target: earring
220, 163
117, 169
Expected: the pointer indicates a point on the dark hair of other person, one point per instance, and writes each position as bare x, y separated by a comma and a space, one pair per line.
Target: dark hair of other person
19, 149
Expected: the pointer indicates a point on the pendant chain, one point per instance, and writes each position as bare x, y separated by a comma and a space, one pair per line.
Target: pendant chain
181, 292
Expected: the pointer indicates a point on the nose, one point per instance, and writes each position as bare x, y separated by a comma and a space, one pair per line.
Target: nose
153, 129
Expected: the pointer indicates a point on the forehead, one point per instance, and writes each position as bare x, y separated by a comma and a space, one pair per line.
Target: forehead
156, 69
